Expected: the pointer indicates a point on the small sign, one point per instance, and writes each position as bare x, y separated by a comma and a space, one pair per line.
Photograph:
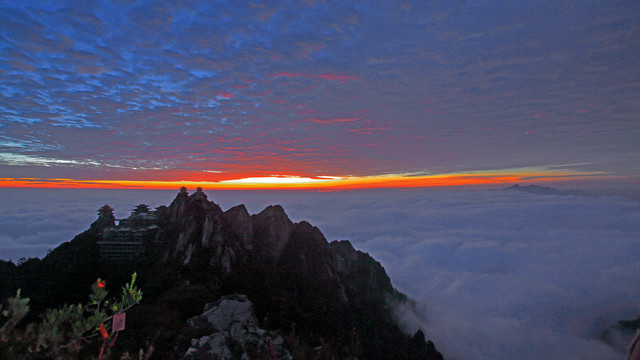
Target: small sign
118, 322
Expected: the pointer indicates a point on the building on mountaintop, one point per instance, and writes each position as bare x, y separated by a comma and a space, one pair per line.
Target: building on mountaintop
127, 240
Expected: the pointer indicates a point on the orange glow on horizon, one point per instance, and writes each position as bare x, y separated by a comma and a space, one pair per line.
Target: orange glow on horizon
314, 183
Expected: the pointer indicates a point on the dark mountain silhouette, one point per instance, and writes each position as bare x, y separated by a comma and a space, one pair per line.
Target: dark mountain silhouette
325, 299
545, 190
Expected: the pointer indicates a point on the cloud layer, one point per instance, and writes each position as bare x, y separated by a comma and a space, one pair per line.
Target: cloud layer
497, 274
501, 275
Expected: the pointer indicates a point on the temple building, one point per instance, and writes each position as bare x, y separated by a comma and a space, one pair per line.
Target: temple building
128, 239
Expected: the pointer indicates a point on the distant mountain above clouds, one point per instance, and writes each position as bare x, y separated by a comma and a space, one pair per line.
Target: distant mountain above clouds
545, 190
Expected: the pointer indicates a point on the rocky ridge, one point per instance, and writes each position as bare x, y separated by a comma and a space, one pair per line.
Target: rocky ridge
323, 291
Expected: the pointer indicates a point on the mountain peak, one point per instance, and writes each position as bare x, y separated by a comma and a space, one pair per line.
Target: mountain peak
271, 228
199, 195
105, 219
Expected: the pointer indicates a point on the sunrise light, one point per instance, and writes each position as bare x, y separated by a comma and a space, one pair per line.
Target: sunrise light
406, 180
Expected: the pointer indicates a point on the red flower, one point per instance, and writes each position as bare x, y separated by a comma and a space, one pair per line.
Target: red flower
101, 283
103, 331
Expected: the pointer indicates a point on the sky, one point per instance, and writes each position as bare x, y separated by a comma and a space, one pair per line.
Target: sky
318, 94
496, 274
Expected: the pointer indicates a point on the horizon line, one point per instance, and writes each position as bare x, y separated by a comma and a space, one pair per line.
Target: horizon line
326, 183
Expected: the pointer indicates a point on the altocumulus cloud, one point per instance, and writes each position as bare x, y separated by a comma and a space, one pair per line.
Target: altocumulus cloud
497, 274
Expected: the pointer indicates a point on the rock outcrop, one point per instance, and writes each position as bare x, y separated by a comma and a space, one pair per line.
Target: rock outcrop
234, 333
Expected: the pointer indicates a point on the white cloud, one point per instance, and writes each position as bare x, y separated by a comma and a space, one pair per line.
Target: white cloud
497, 274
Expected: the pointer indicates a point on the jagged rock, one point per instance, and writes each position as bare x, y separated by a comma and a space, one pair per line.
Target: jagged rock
213, 229
105, 219
179, 205
199, 223
271, 229
240, 225
235, 333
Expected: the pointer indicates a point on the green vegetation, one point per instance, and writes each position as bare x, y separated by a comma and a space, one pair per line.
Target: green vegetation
64, 331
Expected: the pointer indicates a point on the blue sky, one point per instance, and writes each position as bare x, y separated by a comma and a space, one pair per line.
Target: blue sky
218, 90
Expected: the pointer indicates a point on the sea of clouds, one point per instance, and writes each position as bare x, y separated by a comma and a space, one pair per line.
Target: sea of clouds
496, 274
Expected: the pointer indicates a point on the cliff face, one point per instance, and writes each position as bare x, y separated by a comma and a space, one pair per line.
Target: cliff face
271, 229
298, 281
